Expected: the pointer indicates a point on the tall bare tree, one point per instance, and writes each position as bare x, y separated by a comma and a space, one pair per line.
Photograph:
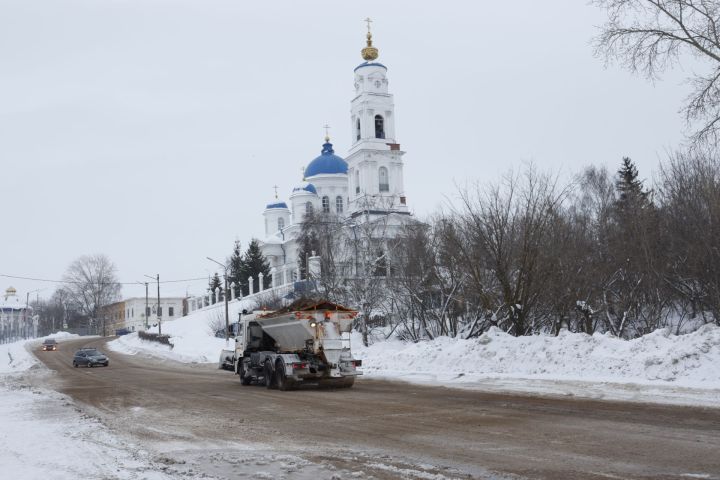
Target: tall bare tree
648, 36
91, 282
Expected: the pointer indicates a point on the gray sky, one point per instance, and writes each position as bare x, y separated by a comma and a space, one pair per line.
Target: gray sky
154, 130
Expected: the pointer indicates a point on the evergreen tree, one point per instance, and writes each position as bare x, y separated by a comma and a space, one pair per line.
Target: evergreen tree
213, 283
235, 267
254, 263
631, 194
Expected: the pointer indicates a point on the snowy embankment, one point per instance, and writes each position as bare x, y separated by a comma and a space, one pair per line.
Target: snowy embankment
44, 435
657, 367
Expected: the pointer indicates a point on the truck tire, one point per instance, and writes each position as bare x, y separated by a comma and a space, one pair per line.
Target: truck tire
245, 377
283, 383
269, 377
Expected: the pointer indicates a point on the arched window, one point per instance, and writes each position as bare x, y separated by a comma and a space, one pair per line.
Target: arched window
383, 179
357, 129
326, 204
357, 181
379, 126
308, 208
281, 223
339, 204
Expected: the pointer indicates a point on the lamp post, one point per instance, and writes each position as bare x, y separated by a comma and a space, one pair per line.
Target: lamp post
159, 311
227, 321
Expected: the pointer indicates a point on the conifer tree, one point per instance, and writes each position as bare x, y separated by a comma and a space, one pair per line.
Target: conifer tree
213, 283
254, 263
631, 194
235, 267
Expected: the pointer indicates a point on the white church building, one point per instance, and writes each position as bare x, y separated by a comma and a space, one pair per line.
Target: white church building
367, 184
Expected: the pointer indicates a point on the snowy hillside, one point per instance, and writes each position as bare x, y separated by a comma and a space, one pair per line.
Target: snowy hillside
659, 366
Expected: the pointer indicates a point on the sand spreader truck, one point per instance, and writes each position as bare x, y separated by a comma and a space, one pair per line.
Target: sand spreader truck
307, 342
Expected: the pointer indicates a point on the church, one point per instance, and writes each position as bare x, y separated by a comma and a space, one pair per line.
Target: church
364, 186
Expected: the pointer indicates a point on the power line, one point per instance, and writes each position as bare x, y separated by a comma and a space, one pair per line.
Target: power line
19, 277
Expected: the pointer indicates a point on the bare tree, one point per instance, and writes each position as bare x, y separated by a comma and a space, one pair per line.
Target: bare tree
91, 282
689, 195
505, 229
648, 36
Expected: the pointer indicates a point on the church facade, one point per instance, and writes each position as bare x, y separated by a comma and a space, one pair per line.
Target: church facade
365, 186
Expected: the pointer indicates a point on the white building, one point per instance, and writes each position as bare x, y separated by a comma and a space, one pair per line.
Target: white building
130, 313
365, 186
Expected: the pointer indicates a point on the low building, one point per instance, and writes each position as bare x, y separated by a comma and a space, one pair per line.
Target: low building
131, 313
16, 318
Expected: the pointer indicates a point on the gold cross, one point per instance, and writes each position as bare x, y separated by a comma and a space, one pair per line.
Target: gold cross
327, 132
368, 22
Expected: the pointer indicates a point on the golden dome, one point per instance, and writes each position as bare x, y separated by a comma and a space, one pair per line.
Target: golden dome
11, 291
369, 53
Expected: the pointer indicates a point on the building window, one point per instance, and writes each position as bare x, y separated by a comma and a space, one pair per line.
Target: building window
308, 208
357, 130
171, 311
147, 312
383, 179
281, 223
379, 126
357, 181
159, 311
132, 312
339, 204
326, 204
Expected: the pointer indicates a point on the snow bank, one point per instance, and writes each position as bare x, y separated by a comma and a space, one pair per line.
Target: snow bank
192, 338
691, 360
15, 357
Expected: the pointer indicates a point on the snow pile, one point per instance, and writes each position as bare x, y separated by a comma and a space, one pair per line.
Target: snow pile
192, 338
690, 360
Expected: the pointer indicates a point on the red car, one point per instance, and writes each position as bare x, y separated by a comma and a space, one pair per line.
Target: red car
49, 345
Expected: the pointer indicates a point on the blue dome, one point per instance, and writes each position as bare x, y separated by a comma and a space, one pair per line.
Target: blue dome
326, 163
370, 64
277, 205
308, 187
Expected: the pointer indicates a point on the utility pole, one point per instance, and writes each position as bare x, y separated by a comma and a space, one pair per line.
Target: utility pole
159, 308
147, 311
158, 302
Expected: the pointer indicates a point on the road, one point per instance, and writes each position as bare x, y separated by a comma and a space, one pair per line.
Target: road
386, 429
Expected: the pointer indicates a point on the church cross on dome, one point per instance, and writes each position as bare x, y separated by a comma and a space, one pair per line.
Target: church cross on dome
276, 188
327, 132
368, 20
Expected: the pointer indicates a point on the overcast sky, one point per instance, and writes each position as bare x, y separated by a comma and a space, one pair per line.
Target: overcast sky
154, 130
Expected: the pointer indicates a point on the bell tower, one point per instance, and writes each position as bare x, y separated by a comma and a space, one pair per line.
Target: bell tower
375, 165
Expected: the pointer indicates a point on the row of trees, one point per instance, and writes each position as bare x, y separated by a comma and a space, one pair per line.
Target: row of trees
240, 267
529, 254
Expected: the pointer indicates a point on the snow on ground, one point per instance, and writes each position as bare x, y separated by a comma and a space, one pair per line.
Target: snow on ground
44, 436
658, 367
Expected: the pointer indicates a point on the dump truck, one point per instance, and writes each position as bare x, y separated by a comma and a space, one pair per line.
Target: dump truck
307, 342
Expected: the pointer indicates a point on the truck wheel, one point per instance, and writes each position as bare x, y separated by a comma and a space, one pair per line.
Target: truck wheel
269, 377
245, 378
283, 383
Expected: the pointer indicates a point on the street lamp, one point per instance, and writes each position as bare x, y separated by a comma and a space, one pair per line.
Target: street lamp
159, 312
227, 321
